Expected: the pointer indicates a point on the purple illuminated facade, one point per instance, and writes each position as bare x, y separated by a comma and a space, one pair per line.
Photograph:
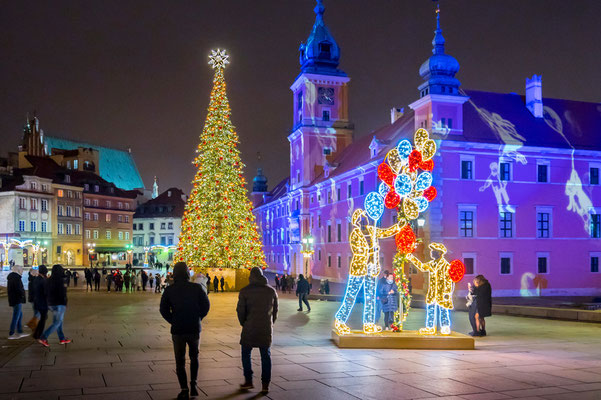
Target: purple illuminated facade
519, 195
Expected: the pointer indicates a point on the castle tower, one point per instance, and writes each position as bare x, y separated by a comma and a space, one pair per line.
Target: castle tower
32, 142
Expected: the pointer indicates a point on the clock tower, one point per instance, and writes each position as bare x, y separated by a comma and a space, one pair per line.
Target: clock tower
321, 127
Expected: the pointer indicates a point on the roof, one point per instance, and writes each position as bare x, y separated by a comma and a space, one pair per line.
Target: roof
503, 118
170, 203
116, 166
279, 190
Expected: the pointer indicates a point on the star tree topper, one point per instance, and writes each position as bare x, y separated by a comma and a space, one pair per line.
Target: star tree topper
218, 59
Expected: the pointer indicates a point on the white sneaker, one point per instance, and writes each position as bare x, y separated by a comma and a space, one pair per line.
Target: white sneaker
23, 334
13, 336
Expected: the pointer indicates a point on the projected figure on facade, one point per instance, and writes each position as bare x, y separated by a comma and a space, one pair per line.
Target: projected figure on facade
442, 276
499, 187
363, 271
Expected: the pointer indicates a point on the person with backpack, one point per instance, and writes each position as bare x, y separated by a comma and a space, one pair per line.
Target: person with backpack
57, 303
183, 305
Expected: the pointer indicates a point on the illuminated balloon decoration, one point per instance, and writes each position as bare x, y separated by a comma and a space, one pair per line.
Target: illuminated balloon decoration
406, 185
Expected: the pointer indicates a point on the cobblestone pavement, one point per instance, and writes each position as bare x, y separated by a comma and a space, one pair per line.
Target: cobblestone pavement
122, 350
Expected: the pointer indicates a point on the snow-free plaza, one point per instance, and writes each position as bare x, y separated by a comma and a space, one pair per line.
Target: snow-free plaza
122, 350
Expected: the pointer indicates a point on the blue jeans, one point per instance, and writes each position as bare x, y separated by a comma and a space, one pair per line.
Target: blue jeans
265, 364
15, 324
354, 285
58, 313
432, 311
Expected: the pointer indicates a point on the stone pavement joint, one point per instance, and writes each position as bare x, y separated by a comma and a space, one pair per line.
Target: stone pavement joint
122, 349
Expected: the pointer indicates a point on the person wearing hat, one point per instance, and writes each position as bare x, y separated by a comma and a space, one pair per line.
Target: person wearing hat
257, 311
184, 304
439, 299
39, 299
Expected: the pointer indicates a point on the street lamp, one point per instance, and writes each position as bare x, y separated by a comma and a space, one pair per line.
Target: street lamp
307, 251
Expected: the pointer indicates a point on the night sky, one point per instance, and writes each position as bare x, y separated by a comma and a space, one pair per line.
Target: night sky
135, 74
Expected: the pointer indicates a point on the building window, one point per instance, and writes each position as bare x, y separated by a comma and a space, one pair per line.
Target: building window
44, 205
349, 190
34, 226
60, 210
95, 234
120, 205
21, 226
543, 224
108, 217
466, 223
469, 262
325, 115
361, 187
329, 260
505, 265
596, 226
450, 120
127, 206
22, 203
60, 229
108, 204
594, 175
127, 218
95, 216
88, 234
67, 178
108, 234
170, 225
467, 171
329, 233
542, 174
119, 218
86, 202
70, 194
506, 224
44, 187
78, 212
69, 229
594, 263
151, 226
96, 188
504, 171
34, 204
140, 227
329, 196
542, 265
44, 226
95, 202
338, 194
339, 261
319, 255
60, 193
339, 232
77, 229
120, 235
163, 225
69, 211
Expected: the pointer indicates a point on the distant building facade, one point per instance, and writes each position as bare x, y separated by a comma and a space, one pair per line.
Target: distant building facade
519, 195
157, 225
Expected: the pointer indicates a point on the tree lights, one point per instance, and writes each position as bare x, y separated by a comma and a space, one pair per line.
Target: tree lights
218, 227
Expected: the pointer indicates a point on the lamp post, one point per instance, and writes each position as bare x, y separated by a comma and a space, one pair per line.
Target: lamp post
91, 251
307, 251
4, 262
146, 250
130, 251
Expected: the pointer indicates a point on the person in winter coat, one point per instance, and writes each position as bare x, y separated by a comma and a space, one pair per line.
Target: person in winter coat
389, 299
126, 281
215, 284
208, 283
75, 278
96, 280
39, 300
57, 303
222, 282
302, 291
33, 322
483, 301
150, 280
109, 281
277, 282
257, 312
184, 304
284, 283
379, 284
144, 280
89, 277
16, 297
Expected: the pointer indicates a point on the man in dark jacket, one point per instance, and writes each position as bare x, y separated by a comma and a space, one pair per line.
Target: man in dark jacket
184, 304
222, 282
39, 300
302, 291
56, 289
16, 297
33, 322
216, 284
257, 311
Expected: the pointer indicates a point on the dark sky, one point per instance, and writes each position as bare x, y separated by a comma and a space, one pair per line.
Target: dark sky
134, 73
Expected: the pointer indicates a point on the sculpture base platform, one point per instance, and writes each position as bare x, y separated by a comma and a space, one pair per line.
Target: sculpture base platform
403, 340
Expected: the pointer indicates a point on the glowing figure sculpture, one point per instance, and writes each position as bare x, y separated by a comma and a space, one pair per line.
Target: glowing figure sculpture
363, 271
441, 281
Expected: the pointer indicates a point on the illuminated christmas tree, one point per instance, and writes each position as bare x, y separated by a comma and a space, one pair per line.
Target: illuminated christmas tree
218, 226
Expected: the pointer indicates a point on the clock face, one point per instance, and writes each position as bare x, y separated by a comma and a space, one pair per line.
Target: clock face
325, 96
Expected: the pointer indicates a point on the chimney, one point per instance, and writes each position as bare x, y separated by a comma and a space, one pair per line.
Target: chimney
396, 113
534, 95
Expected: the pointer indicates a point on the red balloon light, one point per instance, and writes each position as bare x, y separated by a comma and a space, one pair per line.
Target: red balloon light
392, 199
430, 193
456, 270
405, 240
386, 174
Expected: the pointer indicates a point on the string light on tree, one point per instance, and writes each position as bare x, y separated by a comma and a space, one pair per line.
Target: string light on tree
218, 226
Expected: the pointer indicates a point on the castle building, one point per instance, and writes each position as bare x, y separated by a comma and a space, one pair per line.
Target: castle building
517, 176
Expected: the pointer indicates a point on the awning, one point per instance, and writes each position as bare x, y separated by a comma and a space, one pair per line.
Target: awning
108, 249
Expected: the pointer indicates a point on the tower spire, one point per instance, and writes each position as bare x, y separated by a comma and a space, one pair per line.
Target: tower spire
438, 41
155, 188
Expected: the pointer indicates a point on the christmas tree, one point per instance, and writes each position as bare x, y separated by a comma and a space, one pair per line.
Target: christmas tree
218, 226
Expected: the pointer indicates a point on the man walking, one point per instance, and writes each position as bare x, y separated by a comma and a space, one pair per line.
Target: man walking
184, 304
257, 311
39, 300
16, 297
302, 291
57, 303
216, 284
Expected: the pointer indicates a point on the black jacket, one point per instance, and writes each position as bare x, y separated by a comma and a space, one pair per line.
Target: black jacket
257, 311
302, 286
15, 289
483, 295
40, 302
184, 304
56, 288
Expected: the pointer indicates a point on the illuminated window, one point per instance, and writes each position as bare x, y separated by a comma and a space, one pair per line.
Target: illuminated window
594, 175
88, 234
120, 235
60, 193
21, 226
542, 265
596, 226
506, 224
108, 234
95, 234
506, 265
594, 263
108, 217
543, 220
467, 169
466, 223
34, 226
505, 171
44, 226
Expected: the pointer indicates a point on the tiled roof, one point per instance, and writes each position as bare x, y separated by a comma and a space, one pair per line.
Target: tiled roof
170, 203
116, 166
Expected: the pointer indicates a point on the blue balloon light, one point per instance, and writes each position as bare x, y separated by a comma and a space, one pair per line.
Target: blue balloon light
423, 181
374, 205
422, 203
383, 189
402, 185
404, 147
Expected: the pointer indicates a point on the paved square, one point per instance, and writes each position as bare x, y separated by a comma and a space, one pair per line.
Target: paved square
122, 350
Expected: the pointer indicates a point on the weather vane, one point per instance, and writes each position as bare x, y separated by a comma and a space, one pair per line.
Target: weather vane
218, 59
